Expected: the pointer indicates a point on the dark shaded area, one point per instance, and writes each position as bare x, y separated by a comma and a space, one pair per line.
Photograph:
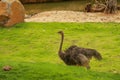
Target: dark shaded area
108, 6
41, 1
3, 20
111, 6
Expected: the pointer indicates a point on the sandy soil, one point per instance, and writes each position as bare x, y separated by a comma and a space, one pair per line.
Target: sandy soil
73, 16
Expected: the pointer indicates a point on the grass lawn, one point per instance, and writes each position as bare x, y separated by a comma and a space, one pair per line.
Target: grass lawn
31, 49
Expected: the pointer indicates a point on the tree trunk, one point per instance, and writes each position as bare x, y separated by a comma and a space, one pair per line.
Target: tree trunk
111, 6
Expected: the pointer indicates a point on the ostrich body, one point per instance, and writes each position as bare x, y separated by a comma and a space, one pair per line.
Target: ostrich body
76, 55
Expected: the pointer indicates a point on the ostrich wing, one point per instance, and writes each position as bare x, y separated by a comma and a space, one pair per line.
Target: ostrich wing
89, 53
80, 60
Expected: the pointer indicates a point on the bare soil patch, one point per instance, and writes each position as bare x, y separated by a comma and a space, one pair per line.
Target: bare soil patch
73, 16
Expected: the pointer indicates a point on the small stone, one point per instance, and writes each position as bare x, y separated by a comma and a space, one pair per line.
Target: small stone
7, 68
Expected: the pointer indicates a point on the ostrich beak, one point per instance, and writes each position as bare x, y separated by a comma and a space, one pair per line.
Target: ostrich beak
58, 32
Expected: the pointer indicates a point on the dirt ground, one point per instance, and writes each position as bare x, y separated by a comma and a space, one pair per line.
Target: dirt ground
73, 16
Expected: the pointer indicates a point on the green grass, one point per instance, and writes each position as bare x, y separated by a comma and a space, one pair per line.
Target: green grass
31, 49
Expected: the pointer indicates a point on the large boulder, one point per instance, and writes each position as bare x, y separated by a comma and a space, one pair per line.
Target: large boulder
11, 12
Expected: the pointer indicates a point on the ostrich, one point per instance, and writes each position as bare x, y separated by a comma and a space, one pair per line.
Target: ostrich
76, 55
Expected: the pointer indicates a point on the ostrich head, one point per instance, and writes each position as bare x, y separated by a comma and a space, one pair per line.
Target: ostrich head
60, 32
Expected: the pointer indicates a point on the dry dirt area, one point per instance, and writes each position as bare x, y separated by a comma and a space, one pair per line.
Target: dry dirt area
73, 16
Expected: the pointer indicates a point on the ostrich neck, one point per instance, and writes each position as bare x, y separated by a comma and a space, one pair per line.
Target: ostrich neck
62, 38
